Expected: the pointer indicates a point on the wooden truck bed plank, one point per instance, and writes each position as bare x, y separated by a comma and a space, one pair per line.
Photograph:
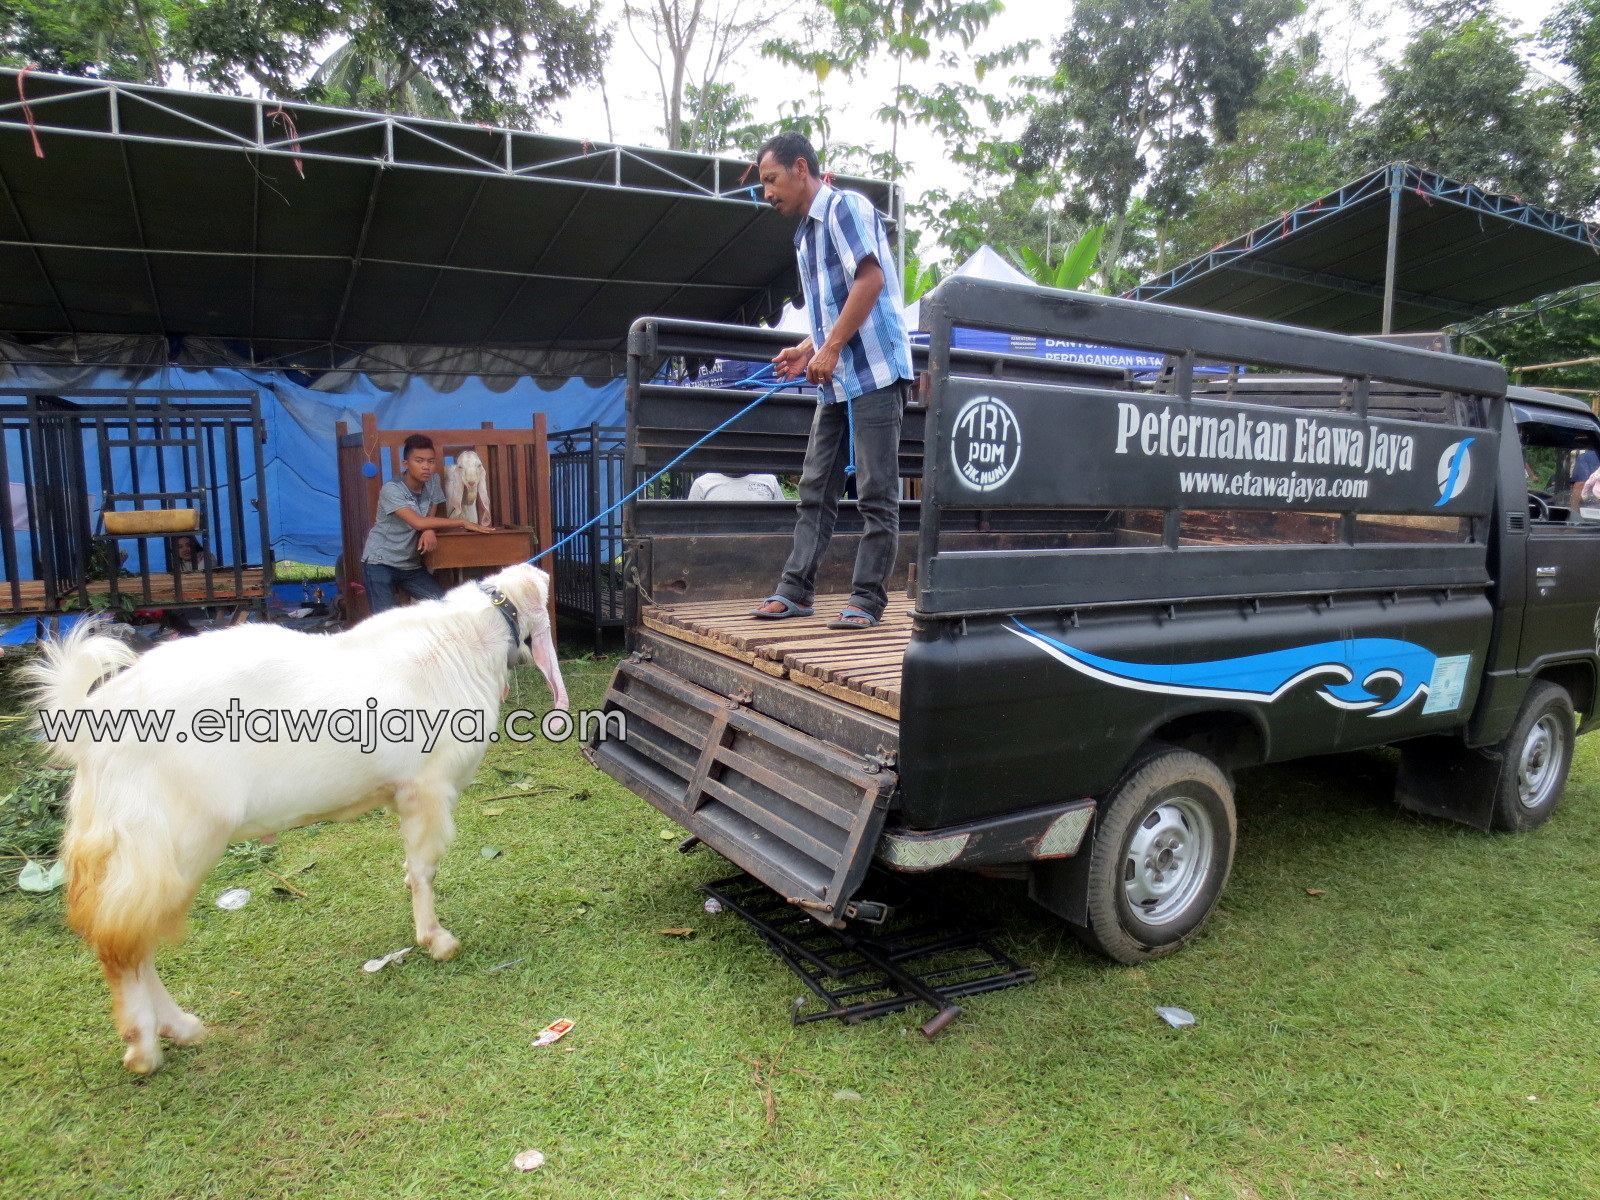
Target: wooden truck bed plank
859, 667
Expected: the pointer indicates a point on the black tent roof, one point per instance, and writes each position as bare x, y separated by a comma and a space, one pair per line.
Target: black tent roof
290, 227
1460, 252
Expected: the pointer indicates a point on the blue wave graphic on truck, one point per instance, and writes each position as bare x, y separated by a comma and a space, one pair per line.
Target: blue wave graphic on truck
1352, 665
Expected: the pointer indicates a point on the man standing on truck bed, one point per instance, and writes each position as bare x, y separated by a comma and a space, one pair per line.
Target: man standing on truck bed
859, 356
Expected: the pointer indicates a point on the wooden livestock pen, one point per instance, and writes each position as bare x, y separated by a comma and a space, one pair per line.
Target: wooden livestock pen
517, 469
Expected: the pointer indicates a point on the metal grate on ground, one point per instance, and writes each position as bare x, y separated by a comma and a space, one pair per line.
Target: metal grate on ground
921, 953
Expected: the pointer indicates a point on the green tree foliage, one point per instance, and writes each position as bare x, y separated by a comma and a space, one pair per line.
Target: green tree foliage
502, 61
720, 119
353, 78
921, 275
103, 39
1552, 329
1076, 265
1020, 211
1140, 91
1573, 32
691, 44
225, 42
1460, 102
1289, 151
857, 36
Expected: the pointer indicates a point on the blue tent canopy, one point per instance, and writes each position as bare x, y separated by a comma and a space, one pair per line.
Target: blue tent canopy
302, 487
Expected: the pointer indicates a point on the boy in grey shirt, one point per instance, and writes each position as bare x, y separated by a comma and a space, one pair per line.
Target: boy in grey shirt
404, 531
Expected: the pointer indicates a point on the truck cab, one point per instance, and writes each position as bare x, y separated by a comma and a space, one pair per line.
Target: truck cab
1120, 587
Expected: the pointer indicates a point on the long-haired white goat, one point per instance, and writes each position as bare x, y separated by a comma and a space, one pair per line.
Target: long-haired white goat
466, 489
148, 820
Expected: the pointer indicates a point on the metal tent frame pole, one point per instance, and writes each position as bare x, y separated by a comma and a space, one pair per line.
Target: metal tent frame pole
1392, 253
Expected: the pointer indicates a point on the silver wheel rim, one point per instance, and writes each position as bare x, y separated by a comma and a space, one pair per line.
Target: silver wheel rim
1168, 860
1539, 764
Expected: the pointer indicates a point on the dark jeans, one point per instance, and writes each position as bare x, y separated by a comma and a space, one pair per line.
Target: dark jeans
877, 421
382, 581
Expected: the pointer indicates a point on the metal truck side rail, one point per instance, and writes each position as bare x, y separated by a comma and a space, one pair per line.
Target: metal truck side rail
678, 547
1168, 452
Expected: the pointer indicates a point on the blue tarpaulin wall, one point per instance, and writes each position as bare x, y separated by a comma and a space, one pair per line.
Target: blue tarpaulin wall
301, 422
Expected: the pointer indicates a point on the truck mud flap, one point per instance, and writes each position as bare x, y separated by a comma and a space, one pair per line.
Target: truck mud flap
800, 815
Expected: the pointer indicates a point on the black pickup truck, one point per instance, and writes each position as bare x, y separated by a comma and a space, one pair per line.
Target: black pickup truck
1119, 589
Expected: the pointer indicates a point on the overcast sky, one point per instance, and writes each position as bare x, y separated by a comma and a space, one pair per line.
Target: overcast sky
635, 97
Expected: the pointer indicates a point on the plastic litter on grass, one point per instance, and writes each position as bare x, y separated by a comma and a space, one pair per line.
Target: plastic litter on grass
373, 965
35, 878
554, 1032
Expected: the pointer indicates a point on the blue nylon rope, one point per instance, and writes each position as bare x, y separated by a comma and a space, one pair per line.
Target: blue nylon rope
597, 517
850, 418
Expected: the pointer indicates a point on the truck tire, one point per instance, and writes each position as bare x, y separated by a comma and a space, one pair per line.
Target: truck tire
1161, 856
1534, 759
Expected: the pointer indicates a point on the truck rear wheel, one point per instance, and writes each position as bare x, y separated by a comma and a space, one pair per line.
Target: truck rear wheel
1534, 759
1161, 856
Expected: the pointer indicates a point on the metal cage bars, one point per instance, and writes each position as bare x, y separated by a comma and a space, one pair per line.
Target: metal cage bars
134, 434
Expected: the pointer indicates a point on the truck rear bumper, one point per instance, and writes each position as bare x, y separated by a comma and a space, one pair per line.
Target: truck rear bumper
800, 815
1055, 831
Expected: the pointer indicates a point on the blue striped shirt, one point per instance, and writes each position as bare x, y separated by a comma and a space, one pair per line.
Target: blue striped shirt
840, 230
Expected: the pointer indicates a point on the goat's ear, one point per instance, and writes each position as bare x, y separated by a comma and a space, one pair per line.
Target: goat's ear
538, 585
525, 584
541, 584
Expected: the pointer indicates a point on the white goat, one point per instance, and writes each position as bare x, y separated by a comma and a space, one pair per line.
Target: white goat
466, 489
148, 819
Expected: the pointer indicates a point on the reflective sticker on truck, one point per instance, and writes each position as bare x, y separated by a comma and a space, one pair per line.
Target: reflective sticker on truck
1447, 683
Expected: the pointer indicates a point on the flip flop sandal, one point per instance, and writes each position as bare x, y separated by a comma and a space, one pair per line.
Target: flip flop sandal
790, 609
853, 618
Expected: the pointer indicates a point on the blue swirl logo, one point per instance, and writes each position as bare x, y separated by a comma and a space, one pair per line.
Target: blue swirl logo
1455, 468
1347, 672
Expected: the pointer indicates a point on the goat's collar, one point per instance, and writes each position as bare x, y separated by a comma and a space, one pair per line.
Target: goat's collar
508, 611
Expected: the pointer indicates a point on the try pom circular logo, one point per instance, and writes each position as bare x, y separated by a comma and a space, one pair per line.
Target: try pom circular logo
987, 443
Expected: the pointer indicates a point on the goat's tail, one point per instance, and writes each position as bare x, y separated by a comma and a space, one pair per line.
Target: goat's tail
66, 671
126, 891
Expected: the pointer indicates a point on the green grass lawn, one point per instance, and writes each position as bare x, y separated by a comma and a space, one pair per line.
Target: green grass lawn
287, 571
1426, 1027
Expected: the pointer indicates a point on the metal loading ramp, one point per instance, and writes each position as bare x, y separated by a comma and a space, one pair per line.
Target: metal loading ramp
798, 814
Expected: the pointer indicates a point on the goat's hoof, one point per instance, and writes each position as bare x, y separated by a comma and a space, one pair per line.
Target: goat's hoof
444, 946
141, 1059
187, 1030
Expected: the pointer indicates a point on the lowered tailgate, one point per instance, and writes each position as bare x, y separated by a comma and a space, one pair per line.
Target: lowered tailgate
799, 814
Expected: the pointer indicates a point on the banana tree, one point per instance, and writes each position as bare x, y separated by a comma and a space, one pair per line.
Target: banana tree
1076, 265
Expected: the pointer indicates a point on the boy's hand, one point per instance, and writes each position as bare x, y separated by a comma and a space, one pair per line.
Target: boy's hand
477, 528
426, 541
